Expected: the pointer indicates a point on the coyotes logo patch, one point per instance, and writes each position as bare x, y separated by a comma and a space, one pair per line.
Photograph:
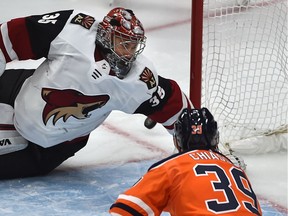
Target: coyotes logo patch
68, 102
148, 78
84, 20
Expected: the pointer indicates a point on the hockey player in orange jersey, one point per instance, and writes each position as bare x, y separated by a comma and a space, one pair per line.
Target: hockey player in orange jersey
197, 181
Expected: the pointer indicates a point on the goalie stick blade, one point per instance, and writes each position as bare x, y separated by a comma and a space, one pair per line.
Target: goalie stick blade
149, 123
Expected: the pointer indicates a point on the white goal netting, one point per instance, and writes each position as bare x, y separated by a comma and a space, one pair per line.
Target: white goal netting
245, 81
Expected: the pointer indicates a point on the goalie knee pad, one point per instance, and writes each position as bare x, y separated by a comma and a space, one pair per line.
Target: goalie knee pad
10, 139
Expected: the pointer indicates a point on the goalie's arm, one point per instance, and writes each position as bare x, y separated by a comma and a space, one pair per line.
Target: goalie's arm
30, 37
165, 104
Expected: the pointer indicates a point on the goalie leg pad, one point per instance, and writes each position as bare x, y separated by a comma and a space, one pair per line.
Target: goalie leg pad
10, 139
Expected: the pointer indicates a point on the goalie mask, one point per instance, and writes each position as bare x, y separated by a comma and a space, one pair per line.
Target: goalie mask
121, 35
196, 129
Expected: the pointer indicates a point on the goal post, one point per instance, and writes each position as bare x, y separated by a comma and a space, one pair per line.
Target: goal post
196, 52
239, 67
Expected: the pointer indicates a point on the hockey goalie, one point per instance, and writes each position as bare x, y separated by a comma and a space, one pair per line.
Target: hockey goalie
90, 68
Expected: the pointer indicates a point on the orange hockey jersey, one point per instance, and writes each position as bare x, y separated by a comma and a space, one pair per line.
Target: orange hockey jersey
198, 182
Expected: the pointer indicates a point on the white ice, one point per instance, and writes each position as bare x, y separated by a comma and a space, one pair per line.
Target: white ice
123, 137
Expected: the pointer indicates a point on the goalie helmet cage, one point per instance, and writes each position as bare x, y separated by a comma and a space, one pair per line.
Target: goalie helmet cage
239, 65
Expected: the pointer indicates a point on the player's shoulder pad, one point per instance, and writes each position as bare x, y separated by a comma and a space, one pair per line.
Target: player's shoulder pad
44, 28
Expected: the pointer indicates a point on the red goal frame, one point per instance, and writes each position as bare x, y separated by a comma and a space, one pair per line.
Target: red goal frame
196, 52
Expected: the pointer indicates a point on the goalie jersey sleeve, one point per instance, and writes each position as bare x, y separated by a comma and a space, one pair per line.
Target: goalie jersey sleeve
27, 37
165, 104
198, 182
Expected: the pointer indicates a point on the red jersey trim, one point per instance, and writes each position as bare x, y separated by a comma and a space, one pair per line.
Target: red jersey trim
20, 39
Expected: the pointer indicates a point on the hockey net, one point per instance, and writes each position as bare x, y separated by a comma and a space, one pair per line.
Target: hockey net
244, 71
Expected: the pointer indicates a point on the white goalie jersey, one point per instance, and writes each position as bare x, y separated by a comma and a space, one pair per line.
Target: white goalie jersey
73, 91
56, 114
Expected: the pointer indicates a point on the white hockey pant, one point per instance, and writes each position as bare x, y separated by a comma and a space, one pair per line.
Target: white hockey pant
10, 139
